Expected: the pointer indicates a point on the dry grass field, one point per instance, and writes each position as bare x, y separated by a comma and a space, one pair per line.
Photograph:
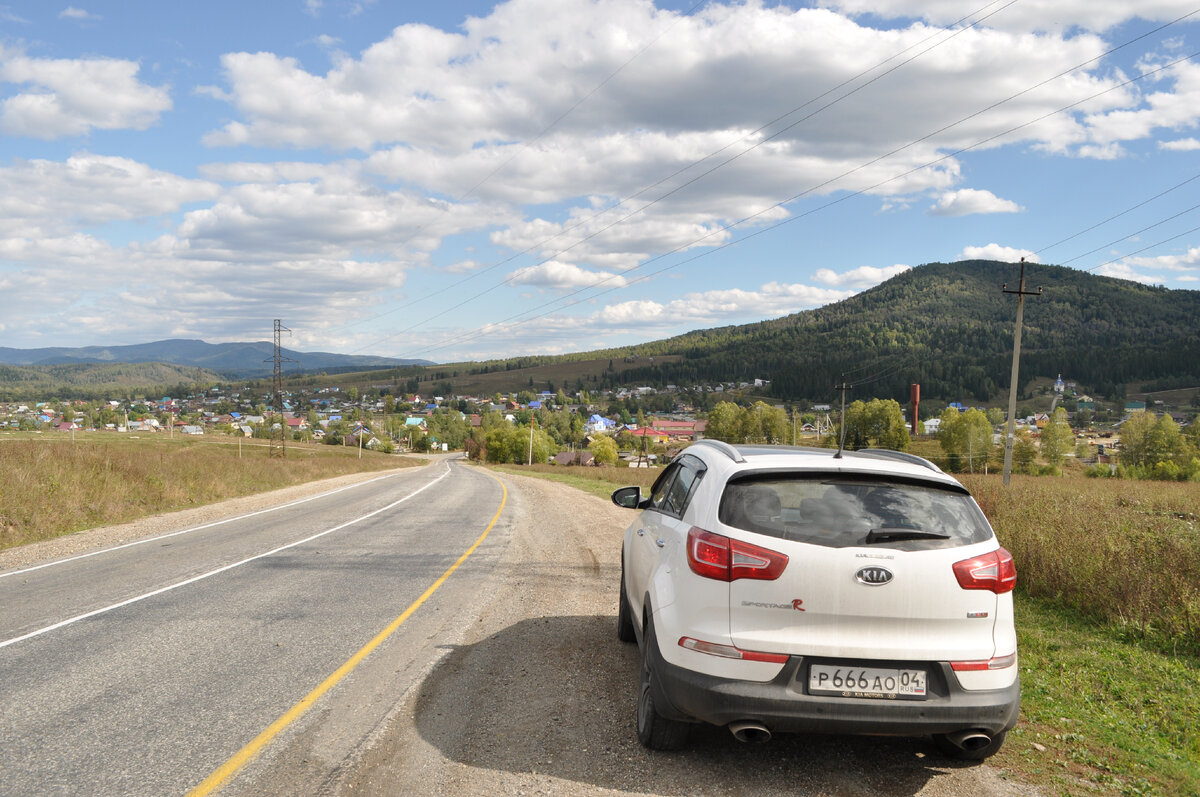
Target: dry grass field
54, 484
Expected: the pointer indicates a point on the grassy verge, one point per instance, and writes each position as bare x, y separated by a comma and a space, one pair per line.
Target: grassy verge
599, 482
1101, 714
54, 486
1110, 686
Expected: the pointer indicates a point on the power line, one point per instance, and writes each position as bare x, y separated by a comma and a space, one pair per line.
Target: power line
524, 146
1116, 216
463, 337
690, 166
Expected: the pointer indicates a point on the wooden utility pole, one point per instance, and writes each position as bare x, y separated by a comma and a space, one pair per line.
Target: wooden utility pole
1012, 388
277, 388
843, 387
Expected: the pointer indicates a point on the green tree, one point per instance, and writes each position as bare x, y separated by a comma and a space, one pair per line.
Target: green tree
877, 423
449, 427
1166, 443
965, 438
725, 423
604, 449
1057, 439
763, 423
1136, 439
1024, 452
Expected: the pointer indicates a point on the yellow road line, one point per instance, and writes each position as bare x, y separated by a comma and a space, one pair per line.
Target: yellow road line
231, 767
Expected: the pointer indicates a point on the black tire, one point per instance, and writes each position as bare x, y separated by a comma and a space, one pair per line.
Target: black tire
655, 731
625, 630
951, 750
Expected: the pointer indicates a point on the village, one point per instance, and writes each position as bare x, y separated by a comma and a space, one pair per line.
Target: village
645, 423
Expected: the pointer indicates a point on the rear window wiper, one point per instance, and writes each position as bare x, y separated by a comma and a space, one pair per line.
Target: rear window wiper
896, 533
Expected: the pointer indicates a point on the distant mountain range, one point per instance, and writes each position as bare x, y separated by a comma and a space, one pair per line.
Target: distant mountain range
945, 326
230, 360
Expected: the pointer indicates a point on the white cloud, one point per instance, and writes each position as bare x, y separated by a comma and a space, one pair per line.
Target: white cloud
299, 210
72, 97
1126, 272
41, 197
70, 12
1005, 254
1176, 107
769, 301
1180, 145
968, 201
860, 278
1029, 15
563, 276
481, 114
1185, 263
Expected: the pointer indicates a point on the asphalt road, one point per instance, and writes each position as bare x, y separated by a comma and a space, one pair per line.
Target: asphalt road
146, 669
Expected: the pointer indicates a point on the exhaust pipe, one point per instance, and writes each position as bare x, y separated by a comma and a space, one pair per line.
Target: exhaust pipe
750, 732
969, 740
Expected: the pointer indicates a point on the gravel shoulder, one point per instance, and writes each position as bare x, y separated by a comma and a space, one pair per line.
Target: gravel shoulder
538, 696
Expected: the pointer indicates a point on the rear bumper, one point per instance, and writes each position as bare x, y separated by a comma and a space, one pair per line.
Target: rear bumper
784, 705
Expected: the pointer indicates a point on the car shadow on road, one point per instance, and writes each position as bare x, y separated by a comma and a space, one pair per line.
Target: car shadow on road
556, 696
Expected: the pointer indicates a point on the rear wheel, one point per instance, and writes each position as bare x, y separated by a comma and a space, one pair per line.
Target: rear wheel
654, 730
625, 630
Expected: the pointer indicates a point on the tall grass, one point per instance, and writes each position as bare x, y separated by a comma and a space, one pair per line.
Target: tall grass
1126, 553
53, 486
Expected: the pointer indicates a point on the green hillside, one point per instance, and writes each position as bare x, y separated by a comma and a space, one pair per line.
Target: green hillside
949, 327
101, 380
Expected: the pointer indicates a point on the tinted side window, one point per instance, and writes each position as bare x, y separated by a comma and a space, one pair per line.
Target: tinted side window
839, 512
684, 486
658, 493
674, 488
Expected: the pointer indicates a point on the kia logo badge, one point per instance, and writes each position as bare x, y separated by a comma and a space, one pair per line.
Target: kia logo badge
873, 576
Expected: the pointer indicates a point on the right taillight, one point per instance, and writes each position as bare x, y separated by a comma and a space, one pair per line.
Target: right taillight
726, 559
993, 571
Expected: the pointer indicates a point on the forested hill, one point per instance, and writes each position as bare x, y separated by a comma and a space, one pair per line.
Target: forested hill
949, 327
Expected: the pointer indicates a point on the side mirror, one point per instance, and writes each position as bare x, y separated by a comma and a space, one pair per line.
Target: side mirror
627, 497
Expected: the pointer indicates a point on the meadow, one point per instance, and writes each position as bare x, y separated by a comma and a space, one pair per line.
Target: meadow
55, 484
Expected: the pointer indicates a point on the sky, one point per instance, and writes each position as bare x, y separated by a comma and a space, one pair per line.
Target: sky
459, 181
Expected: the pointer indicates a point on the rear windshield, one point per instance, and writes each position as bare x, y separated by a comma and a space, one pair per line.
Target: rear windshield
840, 512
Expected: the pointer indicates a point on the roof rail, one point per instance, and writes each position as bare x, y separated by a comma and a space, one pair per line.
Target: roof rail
723, 447
901, 456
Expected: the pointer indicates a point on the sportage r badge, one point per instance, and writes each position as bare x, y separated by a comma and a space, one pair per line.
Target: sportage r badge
873, 576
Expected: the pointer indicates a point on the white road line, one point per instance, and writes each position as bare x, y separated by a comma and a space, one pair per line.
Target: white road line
195, 528
203, 576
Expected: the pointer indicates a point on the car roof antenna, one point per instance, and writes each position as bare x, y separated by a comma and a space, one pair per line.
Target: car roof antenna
843, 387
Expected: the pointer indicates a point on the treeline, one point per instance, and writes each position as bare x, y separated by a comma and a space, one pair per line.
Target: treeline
101, 381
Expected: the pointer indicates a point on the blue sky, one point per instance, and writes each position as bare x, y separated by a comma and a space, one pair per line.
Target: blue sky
466, 180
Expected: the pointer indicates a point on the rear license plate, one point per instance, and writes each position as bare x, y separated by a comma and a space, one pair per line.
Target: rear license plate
878, 682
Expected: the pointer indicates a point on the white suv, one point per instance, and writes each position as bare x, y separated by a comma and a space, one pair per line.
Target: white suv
791, 589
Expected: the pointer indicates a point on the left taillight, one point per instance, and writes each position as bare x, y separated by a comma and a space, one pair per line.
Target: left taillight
725, 559
993, 571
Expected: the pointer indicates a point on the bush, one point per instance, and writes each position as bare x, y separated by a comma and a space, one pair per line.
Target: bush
1124, 553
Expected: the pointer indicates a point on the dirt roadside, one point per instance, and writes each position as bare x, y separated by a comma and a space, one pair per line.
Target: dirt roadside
538, 698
